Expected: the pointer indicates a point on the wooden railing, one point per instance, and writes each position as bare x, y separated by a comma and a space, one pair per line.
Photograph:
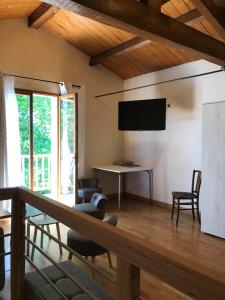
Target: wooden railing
133, 253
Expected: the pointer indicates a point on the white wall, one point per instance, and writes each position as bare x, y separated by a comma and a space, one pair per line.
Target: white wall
39, 53
173, 153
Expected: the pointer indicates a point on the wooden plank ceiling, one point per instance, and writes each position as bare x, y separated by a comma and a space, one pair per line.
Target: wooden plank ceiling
93, 37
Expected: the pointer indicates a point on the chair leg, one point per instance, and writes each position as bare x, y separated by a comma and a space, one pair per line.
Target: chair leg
92, 270
198, 214
28, 235
59, 237
193, 209
34, 241
109, 259
178, 211
42, 237
173, 209
70, 256
48, 229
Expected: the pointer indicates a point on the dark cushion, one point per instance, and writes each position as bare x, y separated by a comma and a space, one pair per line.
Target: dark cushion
38, 289
91, 210
83, 245
87, 192
2, 260
183, 195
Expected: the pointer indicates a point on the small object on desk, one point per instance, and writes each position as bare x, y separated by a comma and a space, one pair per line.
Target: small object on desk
125, 163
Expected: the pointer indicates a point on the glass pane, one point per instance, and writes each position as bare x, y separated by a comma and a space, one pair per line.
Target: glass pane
23, 102
67, 145
45, 144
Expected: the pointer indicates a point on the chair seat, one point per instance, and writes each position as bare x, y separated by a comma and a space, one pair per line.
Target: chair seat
32, 211
183, 195
91, 210
83, 245
44, 220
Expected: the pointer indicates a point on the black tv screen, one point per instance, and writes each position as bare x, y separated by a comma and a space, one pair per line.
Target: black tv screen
142, 115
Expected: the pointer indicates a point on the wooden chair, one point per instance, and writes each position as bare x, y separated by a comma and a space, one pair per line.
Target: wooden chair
31, 212
182, 199
45, 220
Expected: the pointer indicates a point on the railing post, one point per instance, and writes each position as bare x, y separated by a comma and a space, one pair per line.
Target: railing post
17, 249
128, 280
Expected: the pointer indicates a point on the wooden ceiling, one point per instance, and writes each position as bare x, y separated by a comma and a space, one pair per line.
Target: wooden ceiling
93, 37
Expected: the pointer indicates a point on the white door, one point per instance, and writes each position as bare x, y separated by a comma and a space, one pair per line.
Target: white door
213, 171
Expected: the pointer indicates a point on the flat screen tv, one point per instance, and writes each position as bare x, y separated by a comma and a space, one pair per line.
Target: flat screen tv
142, 115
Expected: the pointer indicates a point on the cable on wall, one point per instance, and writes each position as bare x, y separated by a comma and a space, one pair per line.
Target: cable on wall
222, 69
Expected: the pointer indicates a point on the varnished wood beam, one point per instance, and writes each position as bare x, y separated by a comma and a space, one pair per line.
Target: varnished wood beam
189, 17
41, 15
147, 1
150, 24
115, 50
214, 14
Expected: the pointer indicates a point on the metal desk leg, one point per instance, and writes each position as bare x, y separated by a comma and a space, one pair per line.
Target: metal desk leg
150, 174
119, 191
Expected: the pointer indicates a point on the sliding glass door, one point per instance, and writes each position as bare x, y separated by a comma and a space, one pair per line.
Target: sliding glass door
48, 139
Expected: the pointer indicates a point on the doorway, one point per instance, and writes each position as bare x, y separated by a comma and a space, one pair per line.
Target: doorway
48, 127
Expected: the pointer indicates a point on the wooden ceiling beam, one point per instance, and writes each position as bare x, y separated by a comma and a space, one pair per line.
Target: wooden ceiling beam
116, 50
149, 24
41, 15
214, 14
162, 2
189, 17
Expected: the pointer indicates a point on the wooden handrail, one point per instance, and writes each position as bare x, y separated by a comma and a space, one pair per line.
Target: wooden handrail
183, 274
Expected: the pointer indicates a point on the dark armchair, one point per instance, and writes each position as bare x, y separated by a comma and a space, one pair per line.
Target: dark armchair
87, 187
96, 207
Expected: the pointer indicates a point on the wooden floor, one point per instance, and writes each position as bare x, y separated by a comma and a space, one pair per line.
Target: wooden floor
152, 223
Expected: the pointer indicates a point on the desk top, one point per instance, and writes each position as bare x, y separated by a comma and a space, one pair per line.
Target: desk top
121, 169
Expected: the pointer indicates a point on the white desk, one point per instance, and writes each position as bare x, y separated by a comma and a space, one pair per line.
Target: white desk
122, 171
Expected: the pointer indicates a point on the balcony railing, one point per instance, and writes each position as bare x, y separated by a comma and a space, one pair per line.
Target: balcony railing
42, 171
133, 253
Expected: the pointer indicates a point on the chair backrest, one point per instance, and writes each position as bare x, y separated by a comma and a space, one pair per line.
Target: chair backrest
99, 200
88, 182
112, 220
196, 181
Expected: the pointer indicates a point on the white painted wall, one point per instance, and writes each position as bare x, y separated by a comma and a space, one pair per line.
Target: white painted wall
173, 153
39, 53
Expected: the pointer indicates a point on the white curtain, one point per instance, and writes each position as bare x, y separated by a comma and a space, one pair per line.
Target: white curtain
10, 159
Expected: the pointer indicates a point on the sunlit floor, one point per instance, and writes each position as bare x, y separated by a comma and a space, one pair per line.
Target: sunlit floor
68, 199
152, 223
